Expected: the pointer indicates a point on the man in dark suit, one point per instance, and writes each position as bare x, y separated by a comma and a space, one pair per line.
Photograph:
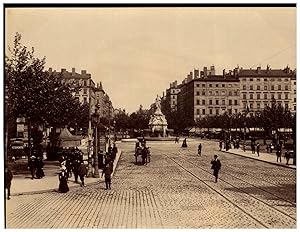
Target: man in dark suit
216, 166
8, 178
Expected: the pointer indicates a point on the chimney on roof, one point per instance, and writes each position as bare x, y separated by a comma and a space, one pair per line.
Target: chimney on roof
212, 70
50, 70
196, 73
258, 69
205, 71
63, 70
73, 71
175, 83
201, 74
223, 73
83, 72
287, 69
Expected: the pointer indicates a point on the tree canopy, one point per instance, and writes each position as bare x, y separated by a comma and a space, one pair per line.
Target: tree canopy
39, 95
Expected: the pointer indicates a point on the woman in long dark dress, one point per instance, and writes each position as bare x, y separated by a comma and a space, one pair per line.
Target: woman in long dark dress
63, 182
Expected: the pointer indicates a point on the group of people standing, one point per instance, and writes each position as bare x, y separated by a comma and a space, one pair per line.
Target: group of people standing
36, 164
72, 162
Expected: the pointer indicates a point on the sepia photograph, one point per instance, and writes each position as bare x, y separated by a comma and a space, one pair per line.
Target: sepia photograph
141, 116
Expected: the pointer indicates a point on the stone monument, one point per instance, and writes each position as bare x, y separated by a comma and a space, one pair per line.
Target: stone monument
158, 123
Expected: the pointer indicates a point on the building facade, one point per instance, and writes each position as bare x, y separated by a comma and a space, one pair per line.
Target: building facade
213, 95
171, 95
259, 87
206, 94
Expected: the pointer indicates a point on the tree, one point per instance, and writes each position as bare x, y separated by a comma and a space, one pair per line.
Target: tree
39, 96
273, 118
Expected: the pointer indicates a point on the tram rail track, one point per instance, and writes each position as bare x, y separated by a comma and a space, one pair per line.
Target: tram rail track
227, 198
234, 176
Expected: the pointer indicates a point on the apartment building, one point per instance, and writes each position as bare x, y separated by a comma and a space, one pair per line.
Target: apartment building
258, 87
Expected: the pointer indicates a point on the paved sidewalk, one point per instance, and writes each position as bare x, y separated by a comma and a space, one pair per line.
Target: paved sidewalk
23, 184
263, 156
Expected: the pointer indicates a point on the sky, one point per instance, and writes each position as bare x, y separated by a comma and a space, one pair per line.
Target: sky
137, 52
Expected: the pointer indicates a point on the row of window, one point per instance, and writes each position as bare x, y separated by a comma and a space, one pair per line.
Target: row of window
217, 102
266, 79
265, 96
217, 93
215, 111
216, 85
260, 105
273, 87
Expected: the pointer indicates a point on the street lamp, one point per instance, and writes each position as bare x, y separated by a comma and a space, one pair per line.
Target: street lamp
95, 120
115, 137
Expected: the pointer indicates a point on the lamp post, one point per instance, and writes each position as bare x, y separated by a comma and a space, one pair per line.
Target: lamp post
6, 125
90, 167
95, 119
114, 123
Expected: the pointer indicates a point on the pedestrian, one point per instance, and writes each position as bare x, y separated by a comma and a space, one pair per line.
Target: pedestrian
278, 153
39, 168
199, 149
220, 145
272, 147
32, 165
76, 165
176, 139
253, 148
287, 156
82, 173
114, 152
8, 179
184, 144
100, 159
107, 175
257, 148
69, 166
63, 181
216, 166
144, 156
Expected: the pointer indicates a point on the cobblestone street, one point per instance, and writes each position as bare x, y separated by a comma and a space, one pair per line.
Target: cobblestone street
175, 190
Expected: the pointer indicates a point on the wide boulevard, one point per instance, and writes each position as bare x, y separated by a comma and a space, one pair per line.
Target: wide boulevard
175, 190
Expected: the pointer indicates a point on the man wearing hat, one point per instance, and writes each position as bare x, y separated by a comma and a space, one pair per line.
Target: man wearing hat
32, 165
216, 166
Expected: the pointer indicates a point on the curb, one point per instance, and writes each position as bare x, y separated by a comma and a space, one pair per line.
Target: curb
70, 187
278, 164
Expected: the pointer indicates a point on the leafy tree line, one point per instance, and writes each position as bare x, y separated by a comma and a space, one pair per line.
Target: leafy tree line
270, 119
39, 96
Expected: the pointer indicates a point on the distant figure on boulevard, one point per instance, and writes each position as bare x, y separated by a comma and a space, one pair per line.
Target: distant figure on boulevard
76, 165
184, 144
82, 173
107, 175
176, 139
199, 149
216, 166
287, 156
39, 168
8, 179
257, 148
272, 147
32, 165
63, 181
114, 152
220, 145
278, 152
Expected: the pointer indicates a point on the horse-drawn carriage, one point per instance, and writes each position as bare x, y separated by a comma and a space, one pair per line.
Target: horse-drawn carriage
144, 152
